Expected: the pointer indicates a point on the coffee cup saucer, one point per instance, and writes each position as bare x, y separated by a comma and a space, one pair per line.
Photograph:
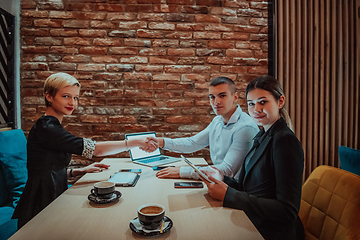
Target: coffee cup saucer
136, 227
92, 197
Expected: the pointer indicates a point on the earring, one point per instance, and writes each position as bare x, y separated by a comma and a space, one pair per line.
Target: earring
50, 103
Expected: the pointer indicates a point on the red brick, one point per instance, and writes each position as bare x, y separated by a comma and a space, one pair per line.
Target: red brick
122, 119
120, 67
258, 69
261, 54
108, 76
235, 36
133, 128
246, 61
76, 58
239, 53
123, 34
248, 13
161, 26
133, 25
137, 42
60, 66
91, 67
63, 33
165, 111
101, 128
109, 93
149, 68
92, 101
47, 41
191, 60
219, 60
215, 3
259, 21
34, 32
248, 45
179, 35
259, 5
74, 6
221, 44
156, 17
109, 7
92, 33
133, 60
61, 14
152, 52
138, 8
102, 24
179, 86
165, 43
179, 119
34, 14
34, 66
190, 27
137, 94
62, 49
89, 16
77, 41
162, 128
47, 23
258, 37
207, 35
166, 8
215, 27
197, 94
166, 77
150, 34
123, 50
177, 69
107, 42
193, 77
93, 119
167, 94
75, 24
139, 110
235, 20
195, 111
121, 16
233, 69
180, 103
231, 76
207, 18
93, 50
205, 69
181, 52
33, 100
223, 11
194, 9
236, 4
193, 43
104, 59
181, 2
177, 17
138, 76
162, 60
203, 86
34, 49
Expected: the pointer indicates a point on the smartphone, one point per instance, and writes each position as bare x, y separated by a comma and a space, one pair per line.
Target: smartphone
131, 170
188, 185
157, 168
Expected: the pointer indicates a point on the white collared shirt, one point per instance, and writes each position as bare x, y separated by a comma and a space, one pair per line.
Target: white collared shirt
228, 143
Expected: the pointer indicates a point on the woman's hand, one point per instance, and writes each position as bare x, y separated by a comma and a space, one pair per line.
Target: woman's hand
217, 190
148, 145
95, 167
170, 172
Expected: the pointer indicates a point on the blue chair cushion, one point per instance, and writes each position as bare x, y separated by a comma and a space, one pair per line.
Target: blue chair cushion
349, 159
13, 163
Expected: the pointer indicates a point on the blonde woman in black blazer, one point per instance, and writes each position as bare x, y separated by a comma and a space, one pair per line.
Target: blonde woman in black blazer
268, 189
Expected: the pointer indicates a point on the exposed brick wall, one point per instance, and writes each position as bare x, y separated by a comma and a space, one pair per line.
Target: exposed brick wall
144, 65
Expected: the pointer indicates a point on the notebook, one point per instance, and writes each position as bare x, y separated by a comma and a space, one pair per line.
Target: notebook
148, 159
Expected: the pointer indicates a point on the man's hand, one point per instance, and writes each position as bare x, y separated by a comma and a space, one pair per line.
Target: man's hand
148, 145
170, 172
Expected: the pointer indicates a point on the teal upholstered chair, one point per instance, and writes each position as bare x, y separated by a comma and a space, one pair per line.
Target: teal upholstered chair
349, 159
13, 176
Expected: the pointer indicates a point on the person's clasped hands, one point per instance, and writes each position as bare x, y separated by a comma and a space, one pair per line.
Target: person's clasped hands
150, 144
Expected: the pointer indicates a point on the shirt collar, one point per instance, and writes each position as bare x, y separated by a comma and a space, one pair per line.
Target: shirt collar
236, 115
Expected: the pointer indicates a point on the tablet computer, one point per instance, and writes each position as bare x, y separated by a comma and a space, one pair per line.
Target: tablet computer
124, 179
196, 170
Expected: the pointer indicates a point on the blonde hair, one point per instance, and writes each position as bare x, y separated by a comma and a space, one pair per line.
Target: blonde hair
57, 81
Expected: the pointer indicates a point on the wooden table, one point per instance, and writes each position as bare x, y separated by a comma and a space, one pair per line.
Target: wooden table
194, 213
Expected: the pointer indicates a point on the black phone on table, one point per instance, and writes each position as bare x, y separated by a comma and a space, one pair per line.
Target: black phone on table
188, 185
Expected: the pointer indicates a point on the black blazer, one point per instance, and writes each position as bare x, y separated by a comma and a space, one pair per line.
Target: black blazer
269, 186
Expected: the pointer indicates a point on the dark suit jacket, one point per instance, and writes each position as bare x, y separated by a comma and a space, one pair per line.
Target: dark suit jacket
269, 186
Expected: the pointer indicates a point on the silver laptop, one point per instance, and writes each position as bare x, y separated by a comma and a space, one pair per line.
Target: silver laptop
148, 159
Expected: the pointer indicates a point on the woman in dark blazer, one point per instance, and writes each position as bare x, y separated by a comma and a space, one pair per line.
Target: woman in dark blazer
268, 189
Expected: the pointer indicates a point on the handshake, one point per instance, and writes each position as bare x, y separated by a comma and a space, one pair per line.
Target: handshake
150, 144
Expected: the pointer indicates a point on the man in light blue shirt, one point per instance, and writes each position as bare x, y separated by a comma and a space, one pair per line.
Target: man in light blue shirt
229, 135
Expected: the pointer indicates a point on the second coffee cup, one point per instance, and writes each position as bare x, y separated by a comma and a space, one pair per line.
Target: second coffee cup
103, 189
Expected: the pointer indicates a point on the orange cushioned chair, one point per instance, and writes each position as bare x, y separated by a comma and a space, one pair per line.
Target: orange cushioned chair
330, 205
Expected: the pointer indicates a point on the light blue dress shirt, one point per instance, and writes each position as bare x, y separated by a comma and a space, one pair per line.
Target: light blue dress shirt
228, 143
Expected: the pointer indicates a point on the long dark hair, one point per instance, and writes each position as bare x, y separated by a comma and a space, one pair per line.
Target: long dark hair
271, 85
